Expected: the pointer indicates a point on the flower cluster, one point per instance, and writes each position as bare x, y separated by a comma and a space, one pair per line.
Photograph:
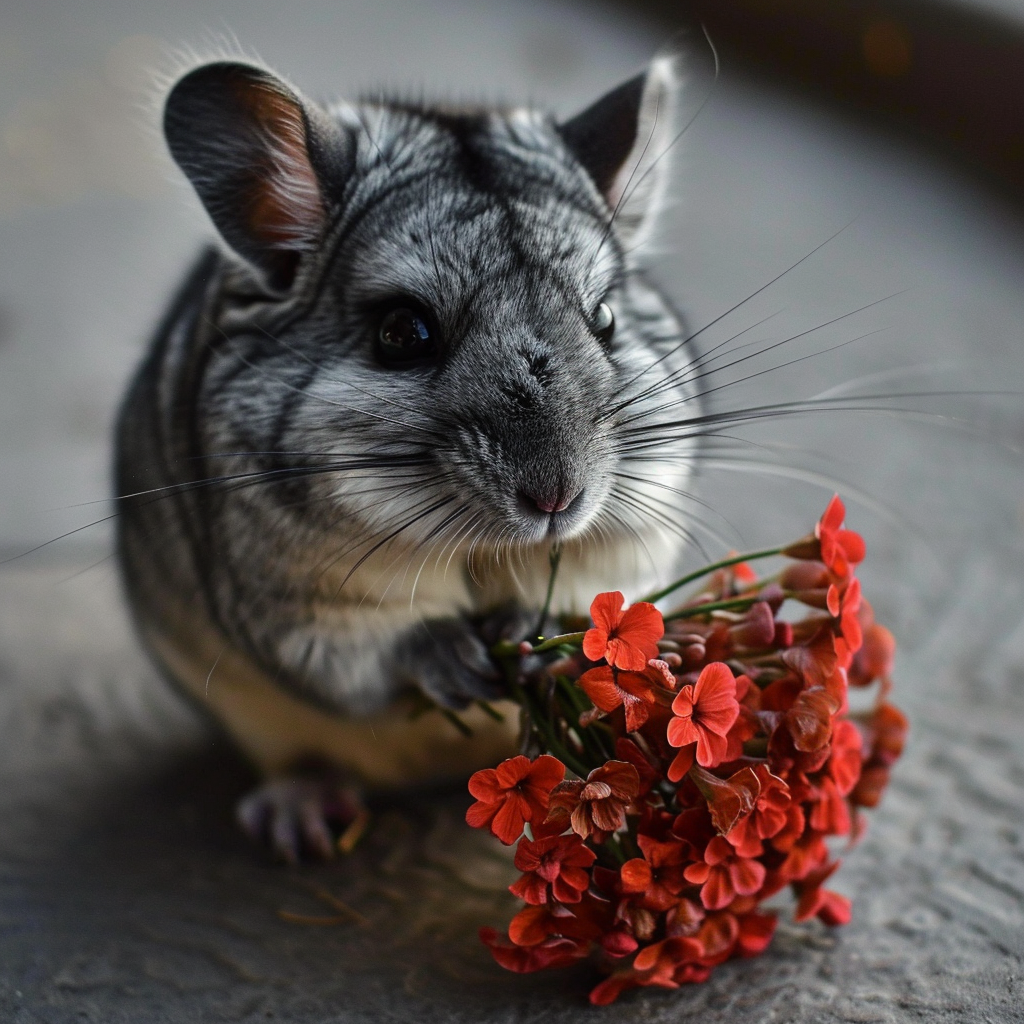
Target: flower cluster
691, 766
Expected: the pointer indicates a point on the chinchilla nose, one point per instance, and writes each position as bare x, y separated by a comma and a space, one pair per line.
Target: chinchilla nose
549, 502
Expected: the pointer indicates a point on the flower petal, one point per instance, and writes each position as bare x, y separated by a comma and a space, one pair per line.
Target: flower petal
599, 685
606, 610
508, 822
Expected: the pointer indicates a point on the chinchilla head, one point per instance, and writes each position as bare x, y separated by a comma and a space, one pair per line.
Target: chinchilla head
444, 329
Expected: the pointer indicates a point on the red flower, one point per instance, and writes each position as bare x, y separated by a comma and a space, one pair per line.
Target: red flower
730, 799
609, 688
515, 792
626, 639
683, 919
598, 805
756, 931
807, 854
627, 750
887, 732
658, 876
809, 720
661, 962
723, 875
742, 572
875, 658
535, 925
814, 901
888, 728
755, 630
844, 605
839, 548
831, 812
768, 817
815, 661
847, 754
553, 952
705, 712
555, 868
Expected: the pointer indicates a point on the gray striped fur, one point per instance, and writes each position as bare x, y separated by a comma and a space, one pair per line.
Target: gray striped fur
343, 527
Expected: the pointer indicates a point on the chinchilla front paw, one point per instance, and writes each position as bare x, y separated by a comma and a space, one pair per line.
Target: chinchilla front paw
513, 622
449, 661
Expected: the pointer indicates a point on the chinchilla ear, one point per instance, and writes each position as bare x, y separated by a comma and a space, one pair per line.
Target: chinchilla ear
256, 153
623, 141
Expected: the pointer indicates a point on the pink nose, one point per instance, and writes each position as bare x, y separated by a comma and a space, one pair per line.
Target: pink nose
550, 504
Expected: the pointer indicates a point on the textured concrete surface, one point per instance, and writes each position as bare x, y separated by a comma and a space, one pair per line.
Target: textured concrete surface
126, 893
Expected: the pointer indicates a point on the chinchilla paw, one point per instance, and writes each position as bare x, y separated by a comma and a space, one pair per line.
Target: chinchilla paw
298, 819
449, 661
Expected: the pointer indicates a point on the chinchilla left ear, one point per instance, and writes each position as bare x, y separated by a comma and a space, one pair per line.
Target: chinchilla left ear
256, 153
623, 141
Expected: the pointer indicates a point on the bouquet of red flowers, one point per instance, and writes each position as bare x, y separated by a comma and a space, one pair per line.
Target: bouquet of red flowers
680, 769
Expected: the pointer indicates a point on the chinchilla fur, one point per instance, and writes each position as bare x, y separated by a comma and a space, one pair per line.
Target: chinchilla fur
427, 352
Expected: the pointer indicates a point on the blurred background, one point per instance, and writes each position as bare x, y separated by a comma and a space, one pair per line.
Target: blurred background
892, 132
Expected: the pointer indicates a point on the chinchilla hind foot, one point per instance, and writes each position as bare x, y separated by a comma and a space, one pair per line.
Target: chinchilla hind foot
303, 818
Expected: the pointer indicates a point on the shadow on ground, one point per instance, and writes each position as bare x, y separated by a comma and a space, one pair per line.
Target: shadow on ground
150, 897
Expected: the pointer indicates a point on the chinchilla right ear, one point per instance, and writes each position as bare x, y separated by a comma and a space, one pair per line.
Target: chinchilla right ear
623, 141
258, 154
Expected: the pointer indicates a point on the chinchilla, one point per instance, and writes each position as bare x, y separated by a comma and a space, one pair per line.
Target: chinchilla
427, 353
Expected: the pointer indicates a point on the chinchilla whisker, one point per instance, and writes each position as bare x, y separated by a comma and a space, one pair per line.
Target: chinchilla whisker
454, 541
689, 339
830, 482
432, 537
763, 351
54, 540
637, 536
154, 494
783, 410
627, 191
641, 503
721, 350
452, 534
424, 507
635, 449
444, 531
894, 374
419, 517
771, 369
289, 386
663, 514
375, 462
826, 481
391, 463
292, 454
687, 496
345, 383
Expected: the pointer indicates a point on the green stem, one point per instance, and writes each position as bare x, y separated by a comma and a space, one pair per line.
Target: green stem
554, 558
490, 711
732, 604
550, 741
714, 567
614, 847
456, 721
568, 639
576, 703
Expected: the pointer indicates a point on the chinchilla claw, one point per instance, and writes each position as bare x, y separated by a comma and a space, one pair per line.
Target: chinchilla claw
297, 818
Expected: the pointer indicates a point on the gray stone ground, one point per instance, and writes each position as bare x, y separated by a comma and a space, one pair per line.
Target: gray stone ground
126, 893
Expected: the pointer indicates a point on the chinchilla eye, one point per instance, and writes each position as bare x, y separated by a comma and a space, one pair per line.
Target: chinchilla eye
603, 323
404, 337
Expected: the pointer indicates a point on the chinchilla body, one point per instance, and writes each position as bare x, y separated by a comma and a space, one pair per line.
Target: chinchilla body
427, 354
